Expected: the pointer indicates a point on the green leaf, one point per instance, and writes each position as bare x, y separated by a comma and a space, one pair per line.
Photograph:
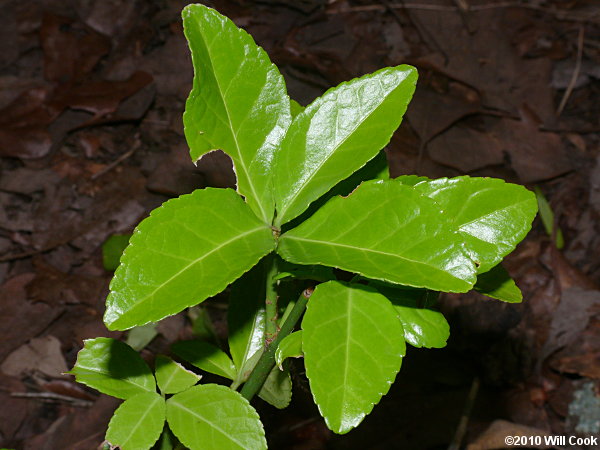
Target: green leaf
289, 347
423, 326
547, 216
112, 249
246, 321
238, 103
202, 326
498, 284
113, 368
172, 377
353, 347
213, 417
337, 134
167, 440
189, 249
301, 272
277, 390
138, 422
295, 108
375, 169
387, 231
139, 337
410, 180
205, 356
490, 215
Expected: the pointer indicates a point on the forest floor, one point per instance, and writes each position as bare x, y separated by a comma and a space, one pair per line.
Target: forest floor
91, 140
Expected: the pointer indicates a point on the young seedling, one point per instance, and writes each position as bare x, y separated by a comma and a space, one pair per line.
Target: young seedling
313, 193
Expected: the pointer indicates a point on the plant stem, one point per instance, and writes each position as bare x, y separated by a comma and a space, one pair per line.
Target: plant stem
267, 360
271, 311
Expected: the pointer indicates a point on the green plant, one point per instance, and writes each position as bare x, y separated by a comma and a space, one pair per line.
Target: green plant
313, 194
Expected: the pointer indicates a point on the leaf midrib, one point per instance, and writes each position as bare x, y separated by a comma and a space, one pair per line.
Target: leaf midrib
194, 262
209, 423
234, 135
297, 192
347, 352
143, 416
337, 244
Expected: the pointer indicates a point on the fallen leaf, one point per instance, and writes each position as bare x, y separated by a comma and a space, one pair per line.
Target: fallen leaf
494, 436
71, 50
465, 149
22, 314
54, 287
42, 354
570, 319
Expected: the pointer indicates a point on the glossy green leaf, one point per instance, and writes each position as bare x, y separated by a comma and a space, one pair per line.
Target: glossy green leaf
113, 368
139, 337
172, 377
337, 134
353, 347
213, 417
490, 215
238, 103
423, 326
189, 249
277, 390
112, 249
289, 347
295, 108
138, 422
375, 169
384, 230
498, 284
410, 180
246, 321
205, 356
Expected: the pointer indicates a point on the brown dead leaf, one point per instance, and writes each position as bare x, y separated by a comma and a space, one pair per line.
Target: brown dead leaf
42, 354
494, 436
23, 180
486, 59
54, 287
71, 50
465, 149
570, 319
23, 123
13, 410
535, 155
176, 174
68, 389
583, 356
99, 97
78, 430
433, 111
21, 314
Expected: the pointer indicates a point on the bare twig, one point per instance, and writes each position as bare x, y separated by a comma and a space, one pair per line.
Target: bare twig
575, 75
119, 160
558, 14
52, 397
29, 253
464, 420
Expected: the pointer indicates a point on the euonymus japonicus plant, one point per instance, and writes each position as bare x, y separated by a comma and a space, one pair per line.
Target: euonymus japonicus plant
313, 194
